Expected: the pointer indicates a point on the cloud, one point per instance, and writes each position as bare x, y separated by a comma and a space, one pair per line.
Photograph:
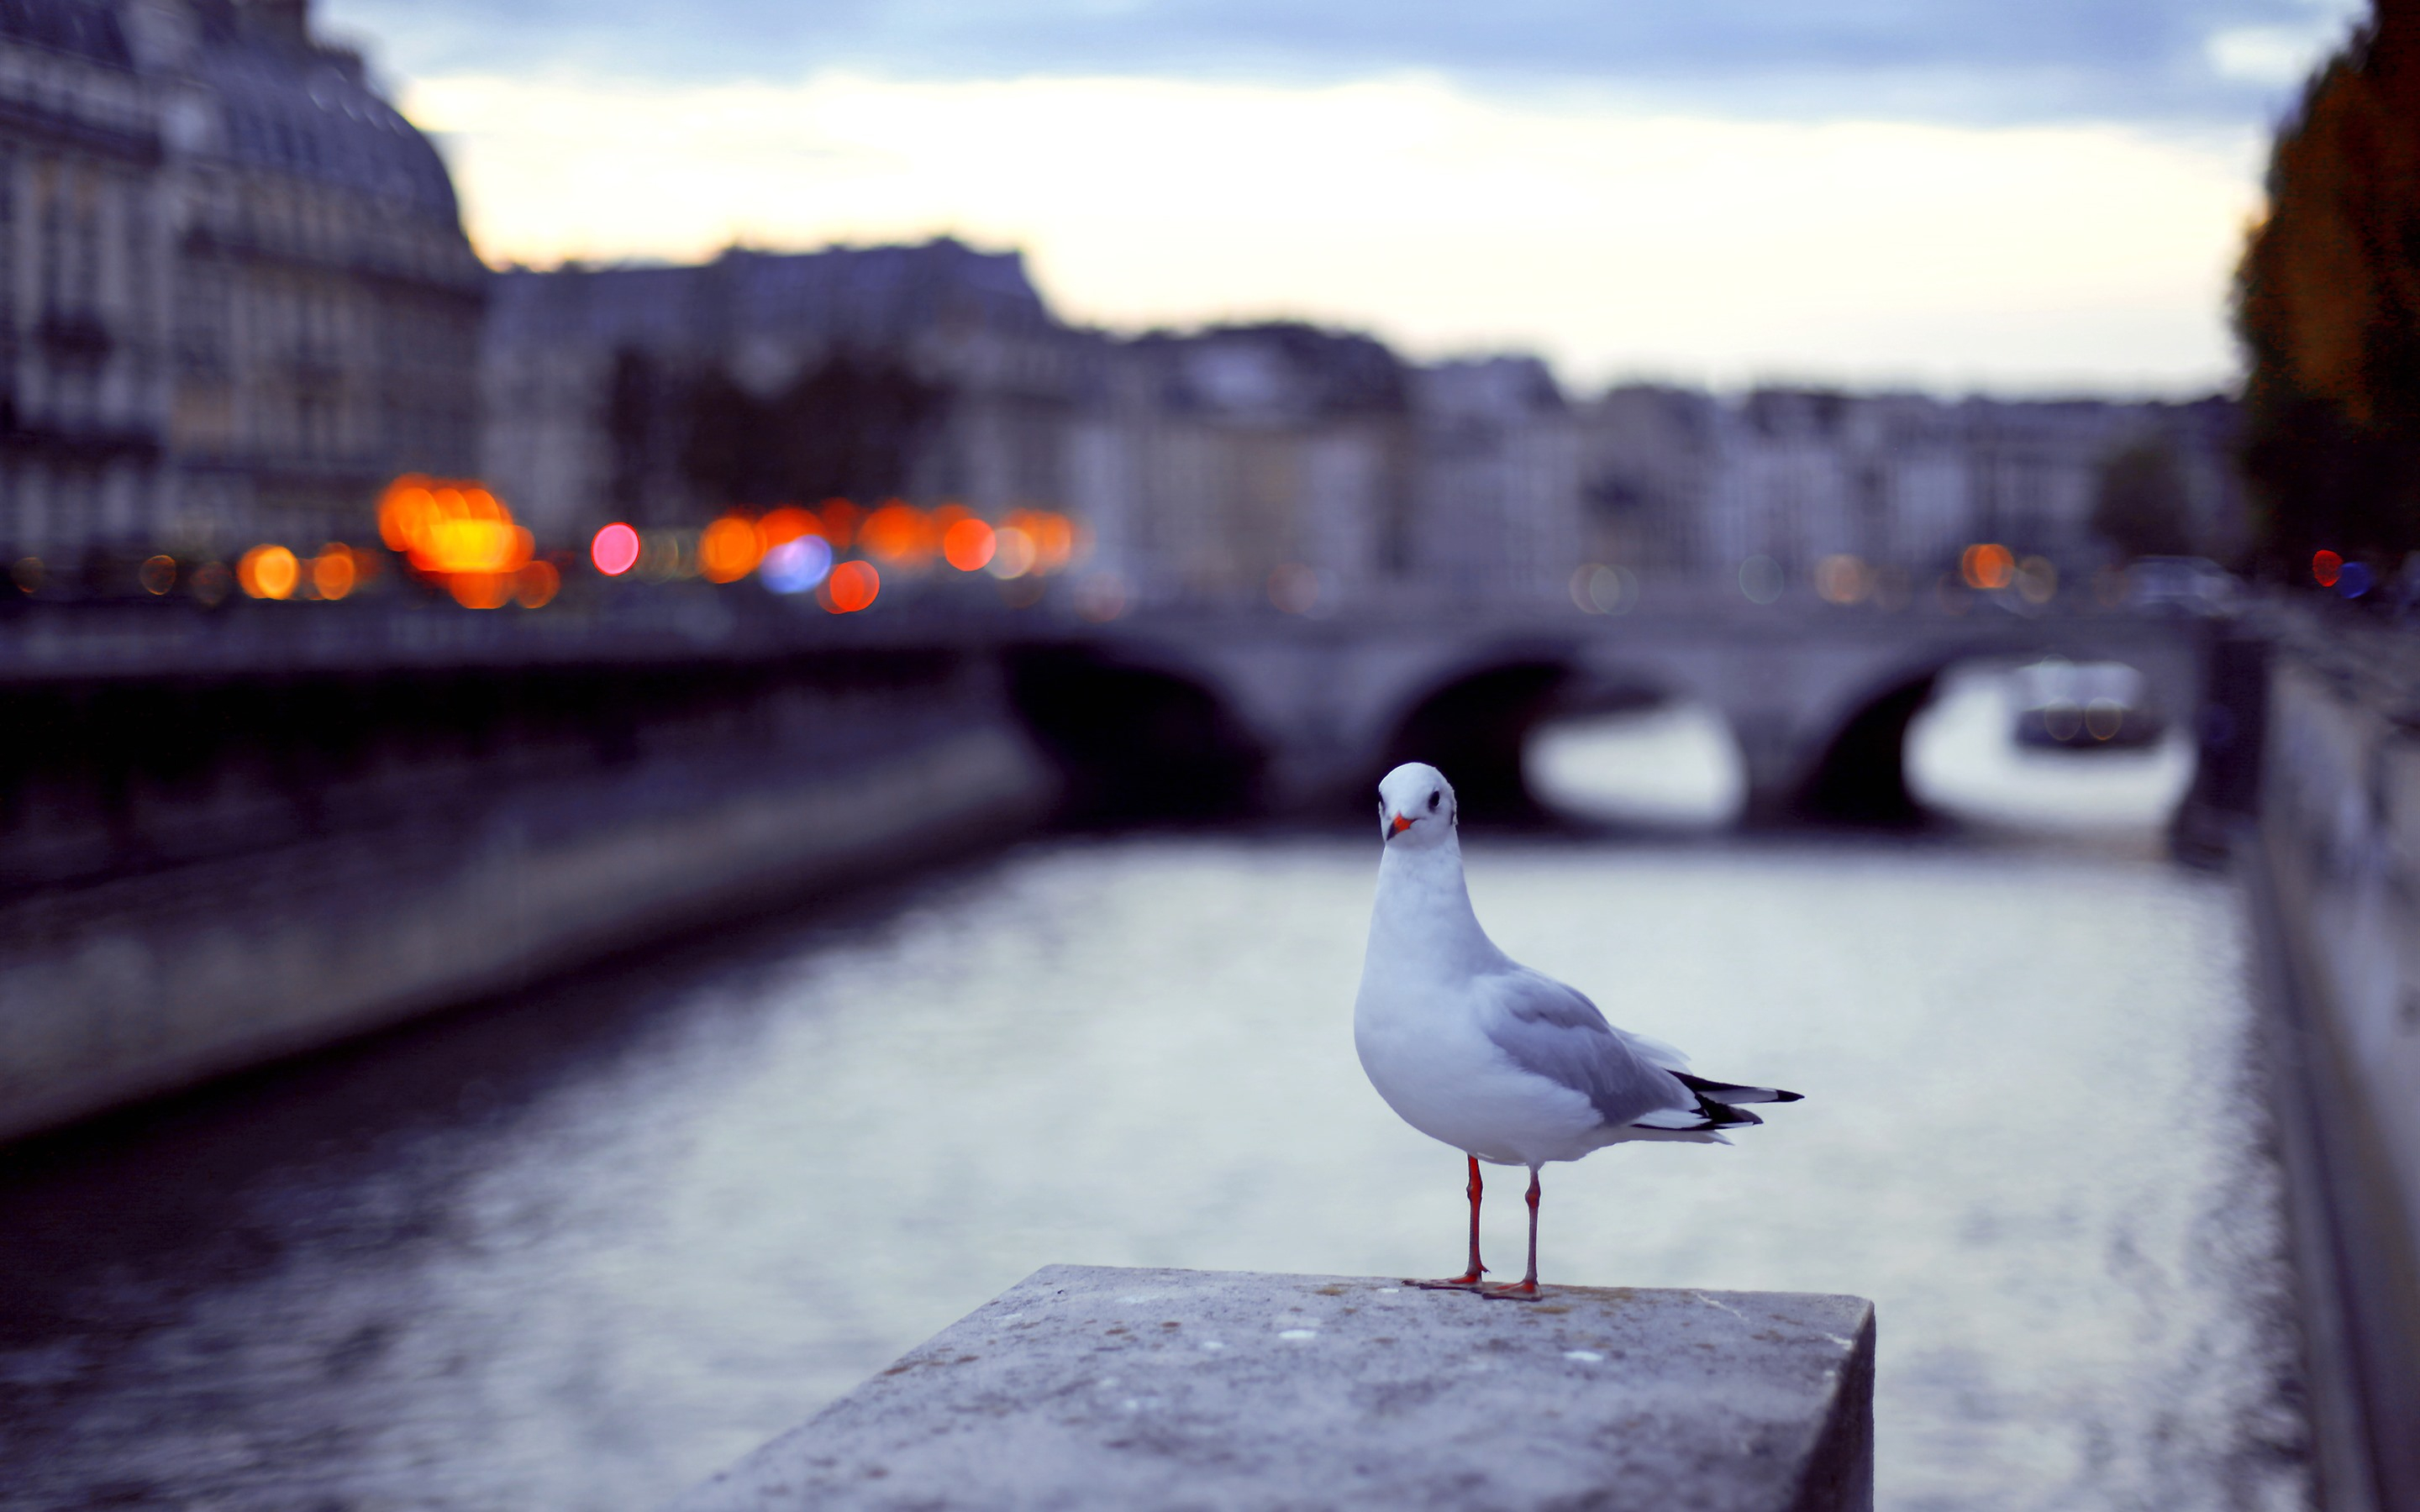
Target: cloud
1612, 240
2194, 61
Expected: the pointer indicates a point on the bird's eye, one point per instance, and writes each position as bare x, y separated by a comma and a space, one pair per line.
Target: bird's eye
1433, 801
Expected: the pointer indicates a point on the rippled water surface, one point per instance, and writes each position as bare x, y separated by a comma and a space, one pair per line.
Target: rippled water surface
579, 1249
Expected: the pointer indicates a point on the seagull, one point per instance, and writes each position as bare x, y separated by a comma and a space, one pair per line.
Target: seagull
1504, 1063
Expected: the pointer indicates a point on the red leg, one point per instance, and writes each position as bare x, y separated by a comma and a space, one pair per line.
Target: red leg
1469, 1278
1524, 1290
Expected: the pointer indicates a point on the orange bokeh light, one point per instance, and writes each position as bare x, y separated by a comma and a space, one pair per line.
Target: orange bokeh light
1053, 535
408, 501
1987, 567
782, 526
332, 571
1842, 579
729, 550
851, 587
536, 585
269, 572
898, 532
481, 589
968, 545
449, 528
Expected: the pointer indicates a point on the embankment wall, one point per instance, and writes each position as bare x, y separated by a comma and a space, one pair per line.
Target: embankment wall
2335, 881
272, 884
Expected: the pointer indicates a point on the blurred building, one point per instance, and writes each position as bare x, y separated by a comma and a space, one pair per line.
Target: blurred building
1273, 464
666, 394
85, 279
1804, 475
1682, 483
234, 295
1498, 500
1647, 460
1314, 470
1246, 463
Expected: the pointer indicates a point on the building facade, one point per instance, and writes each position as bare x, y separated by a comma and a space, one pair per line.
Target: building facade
663, 395
1249, 465
235, 294
1684, 484
84, 255
1275, 465
1498, 495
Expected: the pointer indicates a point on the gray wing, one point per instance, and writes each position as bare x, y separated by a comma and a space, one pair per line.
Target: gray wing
1554, 1031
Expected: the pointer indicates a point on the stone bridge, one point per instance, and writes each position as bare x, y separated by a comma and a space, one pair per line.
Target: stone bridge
1157, 715
1819, 702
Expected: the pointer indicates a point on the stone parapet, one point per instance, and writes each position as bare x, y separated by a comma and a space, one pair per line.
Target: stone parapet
1095, 1388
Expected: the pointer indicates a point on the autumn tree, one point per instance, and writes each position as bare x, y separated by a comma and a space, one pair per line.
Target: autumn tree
2328, 308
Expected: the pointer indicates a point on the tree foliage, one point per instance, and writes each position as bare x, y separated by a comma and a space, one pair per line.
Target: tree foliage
852, 427
2328, 308
2141, 505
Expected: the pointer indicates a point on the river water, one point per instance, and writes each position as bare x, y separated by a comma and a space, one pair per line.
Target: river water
579, 1249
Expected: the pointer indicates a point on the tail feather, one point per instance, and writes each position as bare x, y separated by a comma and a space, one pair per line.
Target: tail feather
1717, 1108
1706, 1114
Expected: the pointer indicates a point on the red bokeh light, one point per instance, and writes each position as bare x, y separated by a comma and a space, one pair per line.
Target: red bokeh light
2326, 567
1987, 567
851, 587
615, 549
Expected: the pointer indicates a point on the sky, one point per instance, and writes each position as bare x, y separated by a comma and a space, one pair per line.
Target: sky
1948, 194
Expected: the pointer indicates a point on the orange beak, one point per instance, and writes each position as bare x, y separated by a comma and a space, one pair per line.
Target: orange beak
1402, 821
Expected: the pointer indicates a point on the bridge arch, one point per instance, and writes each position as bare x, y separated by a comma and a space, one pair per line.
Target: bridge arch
1135, 741
1477, 723
1856, 766
1473, 727
1858, 773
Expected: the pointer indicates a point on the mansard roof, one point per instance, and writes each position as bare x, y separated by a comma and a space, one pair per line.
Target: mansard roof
87, 31
308, 114
1273, 370
871, 298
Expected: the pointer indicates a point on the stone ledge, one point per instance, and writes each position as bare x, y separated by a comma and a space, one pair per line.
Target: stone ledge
1085, 1387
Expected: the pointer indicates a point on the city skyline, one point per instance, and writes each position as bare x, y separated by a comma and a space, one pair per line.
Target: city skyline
1823, 208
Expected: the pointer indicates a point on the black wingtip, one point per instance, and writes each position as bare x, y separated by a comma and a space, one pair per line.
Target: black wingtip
1724, 1116
1734, 1091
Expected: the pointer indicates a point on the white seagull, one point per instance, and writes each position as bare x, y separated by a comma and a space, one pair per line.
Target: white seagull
1503, 1063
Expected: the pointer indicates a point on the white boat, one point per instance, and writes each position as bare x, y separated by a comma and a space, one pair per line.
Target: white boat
2081, 706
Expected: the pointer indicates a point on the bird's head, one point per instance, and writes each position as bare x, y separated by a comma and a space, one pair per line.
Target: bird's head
1416, 807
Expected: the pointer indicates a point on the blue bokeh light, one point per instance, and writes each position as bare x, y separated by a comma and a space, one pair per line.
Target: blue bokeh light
797, 566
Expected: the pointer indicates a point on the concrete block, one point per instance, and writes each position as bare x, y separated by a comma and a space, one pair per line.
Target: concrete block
1086, 1386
